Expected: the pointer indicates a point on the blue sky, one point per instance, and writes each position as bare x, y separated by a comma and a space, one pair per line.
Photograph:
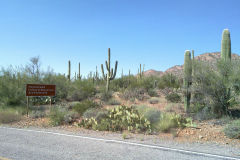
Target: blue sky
152, 32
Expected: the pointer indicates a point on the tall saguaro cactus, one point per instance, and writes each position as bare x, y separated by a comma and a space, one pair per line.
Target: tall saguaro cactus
226, 45
110, 74
79, 72
226, 56
69, 70
141, 71
187, 79
193, 63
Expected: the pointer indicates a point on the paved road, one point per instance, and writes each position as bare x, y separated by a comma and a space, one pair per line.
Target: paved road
23, 144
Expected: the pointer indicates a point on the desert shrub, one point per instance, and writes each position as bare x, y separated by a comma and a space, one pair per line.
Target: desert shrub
173, 107
152, 93
120, 83
70, 117
38, 108
12, 86
57, 115
91, 112
232, 130
81, 90
113, 102
153, 101
216, 85
102, 114
141, 109
169, 81
169, 121
8, 116
81, 107
173, 97
153, 115
105, 96
205, 114
61, 82
137, 93
37, 114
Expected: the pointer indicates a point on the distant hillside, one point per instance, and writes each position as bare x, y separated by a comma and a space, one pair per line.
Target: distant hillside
152, 72
178, 69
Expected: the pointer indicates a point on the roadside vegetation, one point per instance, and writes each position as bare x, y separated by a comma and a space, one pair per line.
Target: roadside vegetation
205, 91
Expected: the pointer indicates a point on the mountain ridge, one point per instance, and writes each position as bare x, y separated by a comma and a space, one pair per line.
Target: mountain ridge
177, 69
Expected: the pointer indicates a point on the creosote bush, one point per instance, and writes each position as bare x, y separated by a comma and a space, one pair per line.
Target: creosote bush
81, 107
57, 115
173, 97
170, 121
232, 130
81, 90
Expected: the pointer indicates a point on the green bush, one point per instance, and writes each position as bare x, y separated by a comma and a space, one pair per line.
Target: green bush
137, 93
153, 115
91, 112
81, 90
215, 85
173, 97
57, 115
102, 114
169, 81
81, 107
152, 93
170, 121
70, 117
205, 114
37, 114
232, 130
105, 96
8, 116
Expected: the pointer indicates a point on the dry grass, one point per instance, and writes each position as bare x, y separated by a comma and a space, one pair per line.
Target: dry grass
9, 117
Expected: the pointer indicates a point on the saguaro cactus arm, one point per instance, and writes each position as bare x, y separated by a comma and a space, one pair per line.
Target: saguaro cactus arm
115, 71
103, 74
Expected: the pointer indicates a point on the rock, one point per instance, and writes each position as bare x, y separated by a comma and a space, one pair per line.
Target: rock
200, 137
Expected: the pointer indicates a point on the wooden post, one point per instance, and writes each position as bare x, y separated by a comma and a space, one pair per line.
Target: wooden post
27, 105
50, 101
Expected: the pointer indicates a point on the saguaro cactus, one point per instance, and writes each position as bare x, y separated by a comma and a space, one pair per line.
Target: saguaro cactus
141, 71
187, 79
193, 63
226, 45
79, 72
226, 57
110, 74
69, 70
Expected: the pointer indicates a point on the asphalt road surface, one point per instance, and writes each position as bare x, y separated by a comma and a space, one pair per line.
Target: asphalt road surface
26, 144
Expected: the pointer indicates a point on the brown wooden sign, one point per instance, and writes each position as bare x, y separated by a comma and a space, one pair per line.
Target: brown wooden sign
40, 90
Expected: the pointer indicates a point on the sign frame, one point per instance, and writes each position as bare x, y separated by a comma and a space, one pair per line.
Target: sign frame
40, 90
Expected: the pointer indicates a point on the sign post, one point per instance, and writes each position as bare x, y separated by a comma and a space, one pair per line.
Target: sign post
36, 90
27, 105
